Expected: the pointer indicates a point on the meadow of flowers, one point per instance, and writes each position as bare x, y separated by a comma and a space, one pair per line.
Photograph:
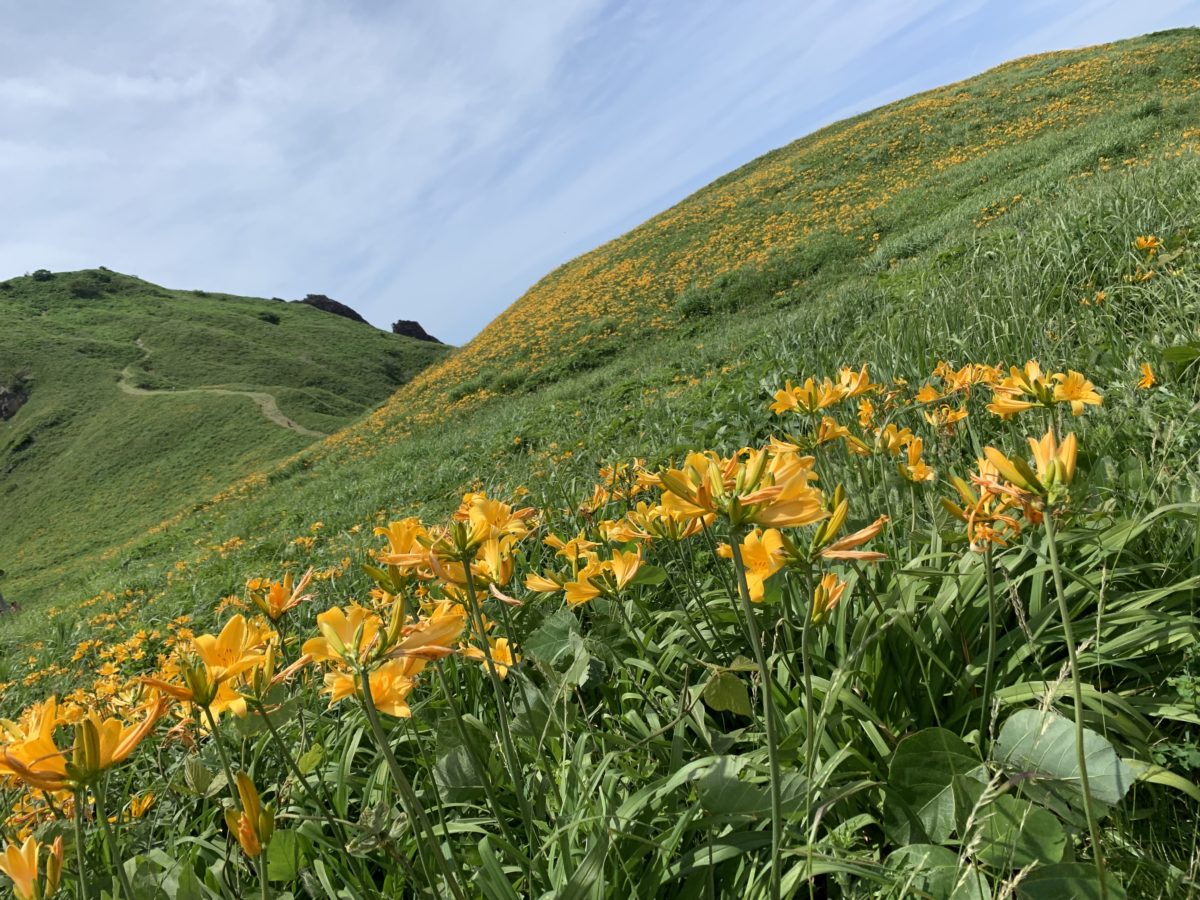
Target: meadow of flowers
885, 587
738, 665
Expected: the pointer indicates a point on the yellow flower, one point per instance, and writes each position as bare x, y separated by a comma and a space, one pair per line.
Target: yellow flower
1147, 243
391, 683
139, 805
1073, 388
20, 864
581, 590
1055, 467
279, 597
826, 596
624, 566
915, 469
99, 746
945, 418
502, 655
346, 634
254, 823
809, 398
1147, 380
762, 556
217, 660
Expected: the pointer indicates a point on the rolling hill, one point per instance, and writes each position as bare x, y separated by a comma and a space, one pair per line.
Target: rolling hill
129, 401
903, 723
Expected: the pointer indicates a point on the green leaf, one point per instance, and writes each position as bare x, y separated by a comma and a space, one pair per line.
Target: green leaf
1010, 832
287, 854
722, 791
548, 643
490, 877
311, 758
1075, 880
1152, 774
935, 871
726, 692
458, 776
650, 575
1041, 744
919, 806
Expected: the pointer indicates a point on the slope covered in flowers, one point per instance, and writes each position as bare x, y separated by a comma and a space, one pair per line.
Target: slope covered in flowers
869, 578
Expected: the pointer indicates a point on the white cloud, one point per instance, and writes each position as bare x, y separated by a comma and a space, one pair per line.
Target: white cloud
431, 160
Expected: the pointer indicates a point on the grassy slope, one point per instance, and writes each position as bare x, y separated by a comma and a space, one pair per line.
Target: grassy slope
673, 338
853, 226
84, 465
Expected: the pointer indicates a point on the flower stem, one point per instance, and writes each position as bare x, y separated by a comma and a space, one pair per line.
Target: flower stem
510, 750
296, 773
408, 796
764, 675
1064, 613
988, 673
106, 826
216, 736
261, 865
79, 857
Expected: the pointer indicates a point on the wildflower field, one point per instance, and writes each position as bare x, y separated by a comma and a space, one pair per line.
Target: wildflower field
740, 558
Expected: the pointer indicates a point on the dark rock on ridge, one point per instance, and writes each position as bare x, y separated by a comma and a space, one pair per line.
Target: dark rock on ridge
320, 301
409, 328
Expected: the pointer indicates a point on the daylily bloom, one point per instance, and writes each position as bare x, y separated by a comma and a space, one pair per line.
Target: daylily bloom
1073, 388
501, 651
1055, 468
391, 683
215, 661
99, 745
275, 598
29, 880
346, 634
915, 469
254, 824
762, 557
826, 596
1147, 380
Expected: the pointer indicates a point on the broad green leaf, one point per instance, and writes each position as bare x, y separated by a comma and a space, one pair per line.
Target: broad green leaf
552, 640
933, 871
1041, 744
286, 856
458, 775
919, 804
311, 758
1010, 832
1077, 881
722, 791
726, 692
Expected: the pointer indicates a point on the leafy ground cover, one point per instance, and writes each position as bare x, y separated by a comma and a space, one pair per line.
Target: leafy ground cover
650, 654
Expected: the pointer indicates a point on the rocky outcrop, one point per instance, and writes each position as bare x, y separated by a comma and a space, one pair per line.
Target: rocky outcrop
12, 398
320, 301
409, 328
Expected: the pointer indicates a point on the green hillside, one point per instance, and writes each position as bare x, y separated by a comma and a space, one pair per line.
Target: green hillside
684, 721
139, 400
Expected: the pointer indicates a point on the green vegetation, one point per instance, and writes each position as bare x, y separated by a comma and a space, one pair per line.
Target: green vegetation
87, 463
926, 741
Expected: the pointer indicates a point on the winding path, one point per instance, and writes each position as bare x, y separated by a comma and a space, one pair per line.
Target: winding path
266, 402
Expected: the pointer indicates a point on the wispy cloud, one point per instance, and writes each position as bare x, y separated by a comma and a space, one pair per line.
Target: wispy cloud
431, 161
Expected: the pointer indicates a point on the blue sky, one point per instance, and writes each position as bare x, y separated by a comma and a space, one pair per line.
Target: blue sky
433, 160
